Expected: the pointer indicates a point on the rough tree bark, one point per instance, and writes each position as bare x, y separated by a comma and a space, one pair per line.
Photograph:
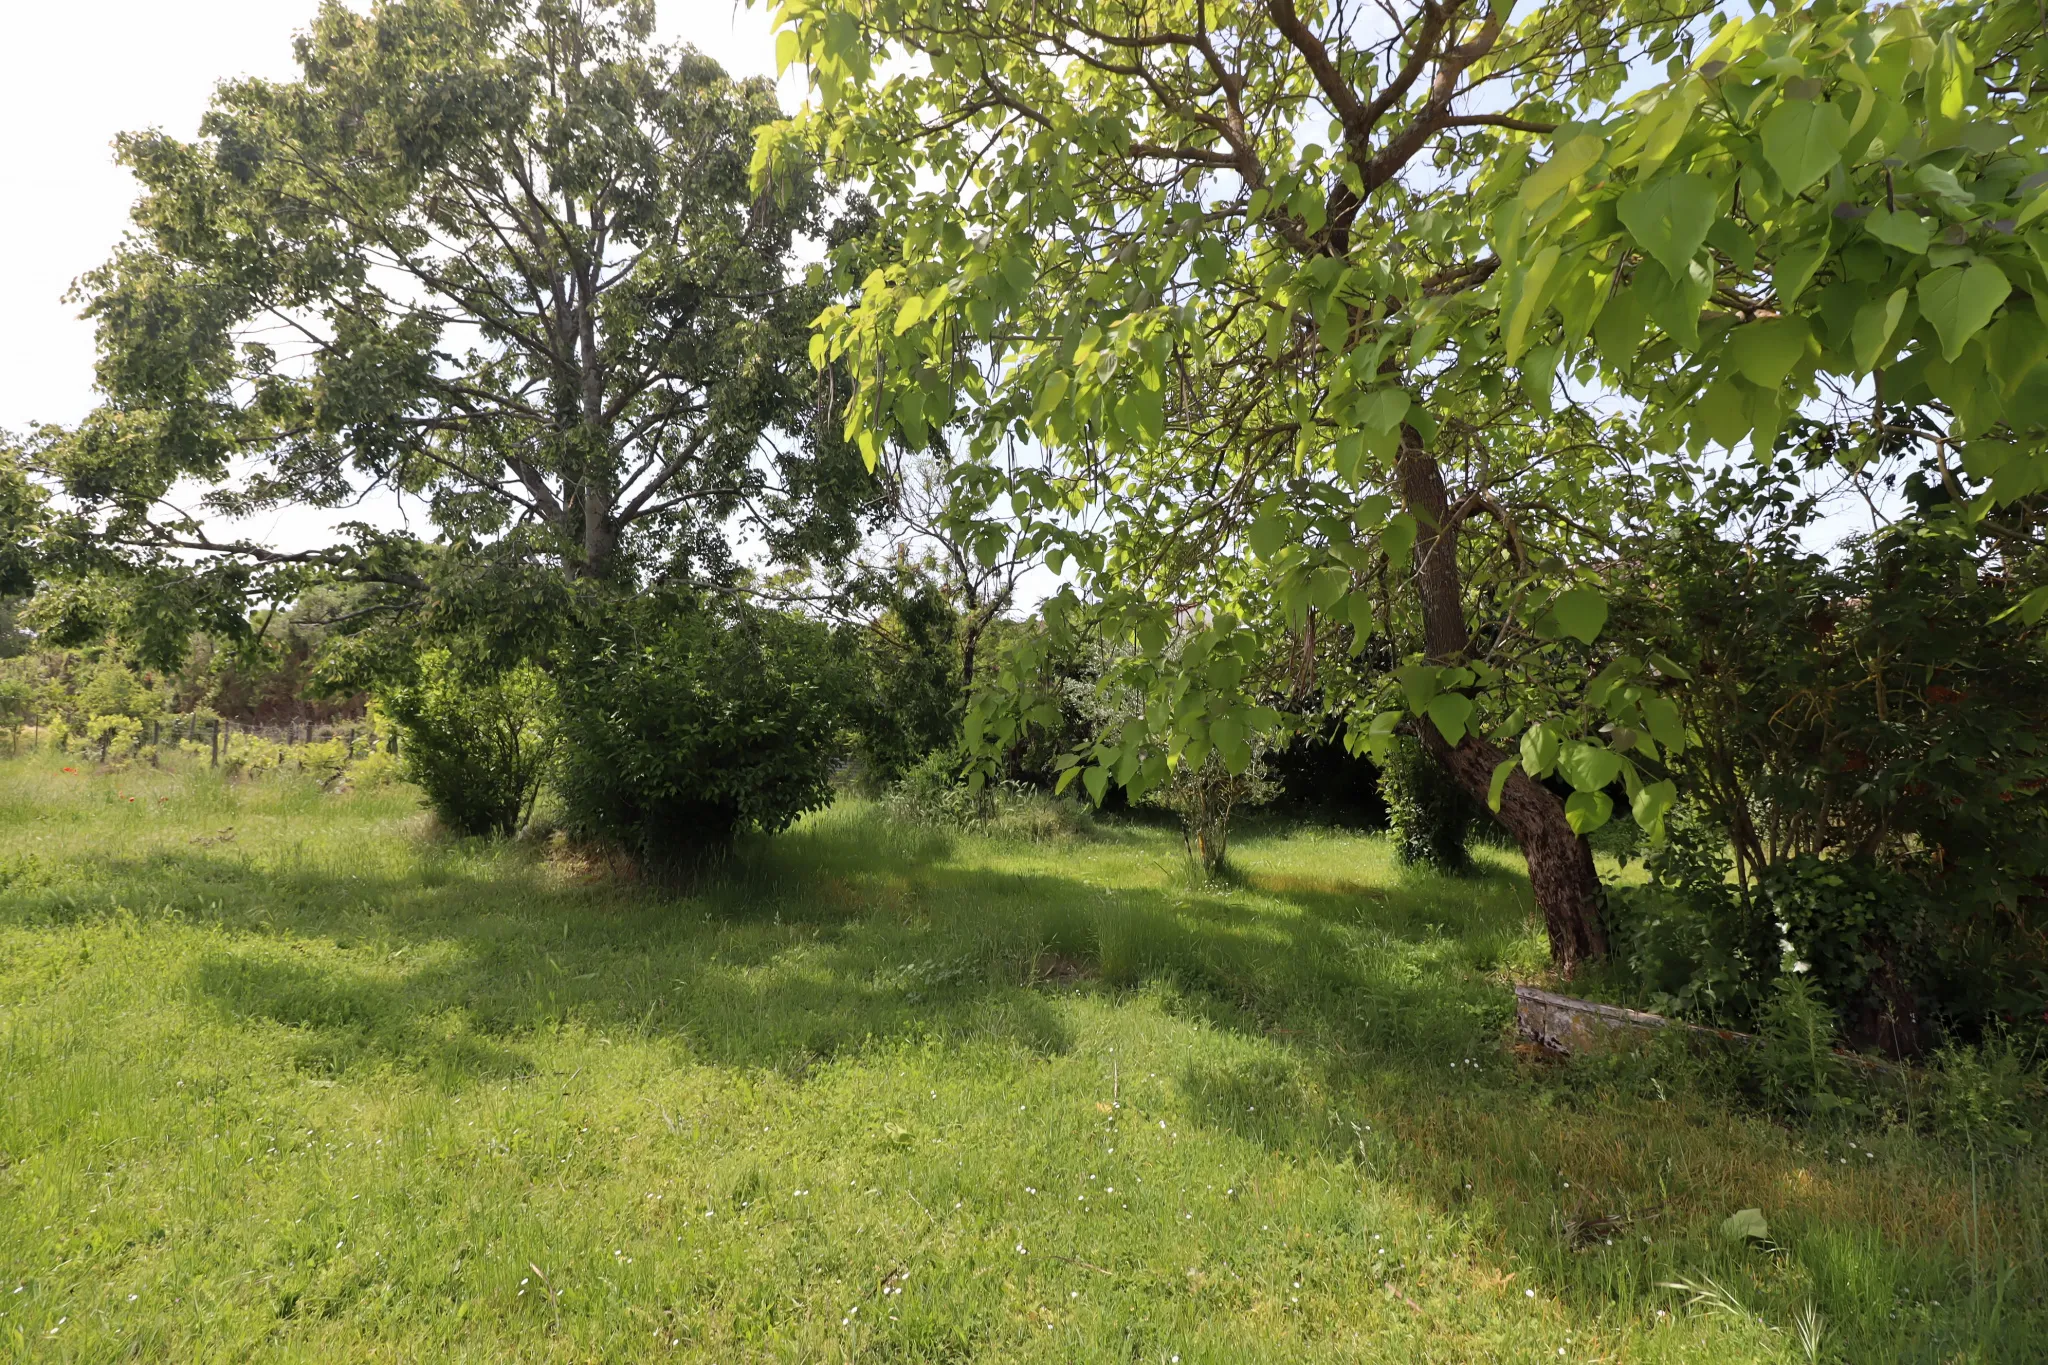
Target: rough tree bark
1561, 873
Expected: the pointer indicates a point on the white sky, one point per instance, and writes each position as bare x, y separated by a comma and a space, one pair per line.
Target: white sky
81, 71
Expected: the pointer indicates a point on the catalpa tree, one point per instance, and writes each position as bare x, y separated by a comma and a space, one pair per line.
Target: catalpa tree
1208, 292
1832, 205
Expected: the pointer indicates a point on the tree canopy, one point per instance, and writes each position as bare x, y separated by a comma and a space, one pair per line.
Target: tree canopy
1221, 272
500, 256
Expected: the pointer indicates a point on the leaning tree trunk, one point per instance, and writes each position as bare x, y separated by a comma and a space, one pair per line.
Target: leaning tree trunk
1561, 869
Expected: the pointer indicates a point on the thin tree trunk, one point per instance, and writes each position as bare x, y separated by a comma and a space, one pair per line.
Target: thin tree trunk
1561, 872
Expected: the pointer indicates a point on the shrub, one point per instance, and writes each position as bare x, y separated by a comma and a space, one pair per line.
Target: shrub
933, 792
1692, 943
1205, 796
909, 702
684, 724
476, 741
1430, 815
1871, 747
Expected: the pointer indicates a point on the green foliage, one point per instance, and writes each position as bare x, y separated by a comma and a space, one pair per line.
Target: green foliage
910, 707
1691, 943
529, 287
478, 741
1206, 796
1796, 1060
685, 723
1824, 197
1872, 744
1265, 361
1989, 1097
934, 791
1430, 816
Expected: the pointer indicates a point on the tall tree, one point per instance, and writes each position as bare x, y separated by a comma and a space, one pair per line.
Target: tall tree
498, 255
1225, 264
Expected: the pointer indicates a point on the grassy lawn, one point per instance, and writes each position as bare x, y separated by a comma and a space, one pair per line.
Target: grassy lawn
283, 1075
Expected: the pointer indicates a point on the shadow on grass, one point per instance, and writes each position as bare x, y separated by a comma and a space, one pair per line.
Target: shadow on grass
1383, 1032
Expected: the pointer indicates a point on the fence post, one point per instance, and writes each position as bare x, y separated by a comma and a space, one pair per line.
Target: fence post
215, 763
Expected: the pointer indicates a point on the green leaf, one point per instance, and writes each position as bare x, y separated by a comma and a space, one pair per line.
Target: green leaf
1499, 784
1398, 538
1269, 534
1326, 587
1587, 811
1661, 719
1875, 323
1619, 328
1945, 95
1960, 300
1581, 613
1901, 228
1568, 161
1765, 352
1794, 270
786, 50
1419, 683
1589, 767
1539, 751
1227, 732
907, 316
1449, 711
2029, 608
1383, 409
1096, 780
1803, 140
1526, 288
1746, 1225
1651, 802
1670, 218
818, 346
1670, 668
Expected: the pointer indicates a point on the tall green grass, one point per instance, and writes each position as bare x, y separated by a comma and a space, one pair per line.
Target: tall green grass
283, 1074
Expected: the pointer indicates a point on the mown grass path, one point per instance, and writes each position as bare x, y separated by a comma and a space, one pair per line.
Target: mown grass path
282, 1076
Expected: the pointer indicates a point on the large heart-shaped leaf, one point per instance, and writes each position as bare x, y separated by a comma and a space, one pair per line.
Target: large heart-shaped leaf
1501, 772
1765, 352
1960, 300
1587, 811
1746, 1225
1901, 228
1589, 767
1383, 409
1567, 162
1875, 323
1650, 803
1450, 711
1669, 218
1580, 612
1803, 140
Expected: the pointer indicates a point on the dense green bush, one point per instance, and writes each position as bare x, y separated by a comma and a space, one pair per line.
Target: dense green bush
1686, 936
477, 741
684, 724
932, 791
1430, 816
910, 699
1871, 750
